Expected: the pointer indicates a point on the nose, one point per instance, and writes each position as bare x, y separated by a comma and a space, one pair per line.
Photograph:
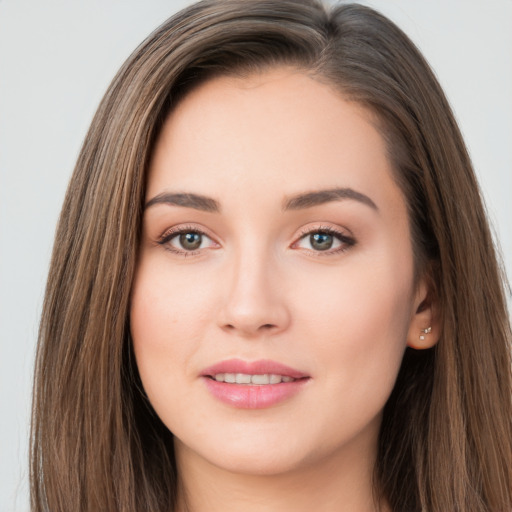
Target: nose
255, 301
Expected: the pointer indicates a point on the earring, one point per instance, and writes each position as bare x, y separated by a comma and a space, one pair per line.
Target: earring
428, 330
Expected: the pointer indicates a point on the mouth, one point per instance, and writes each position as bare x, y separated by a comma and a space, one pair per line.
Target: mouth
253, 385
261, 372
247, 379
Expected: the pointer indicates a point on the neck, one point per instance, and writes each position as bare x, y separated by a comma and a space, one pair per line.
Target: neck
327, 485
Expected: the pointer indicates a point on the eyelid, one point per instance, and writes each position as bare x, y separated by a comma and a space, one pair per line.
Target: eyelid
179, 229
343, 235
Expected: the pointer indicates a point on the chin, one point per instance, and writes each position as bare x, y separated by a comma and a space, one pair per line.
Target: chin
254, 455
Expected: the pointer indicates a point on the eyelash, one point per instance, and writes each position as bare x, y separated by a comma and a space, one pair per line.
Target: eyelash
346, 241
173, 233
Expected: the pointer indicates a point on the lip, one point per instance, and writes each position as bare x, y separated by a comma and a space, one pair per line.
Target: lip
260, 367
248, 396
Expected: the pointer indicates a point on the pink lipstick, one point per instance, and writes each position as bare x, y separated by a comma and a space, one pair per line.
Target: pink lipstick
253, 385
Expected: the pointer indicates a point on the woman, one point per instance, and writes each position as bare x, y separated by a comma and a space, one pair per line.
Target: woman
273, 284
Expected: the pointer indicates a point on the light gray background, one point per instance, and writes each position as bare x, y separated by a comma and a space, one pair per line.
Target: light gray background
56, 60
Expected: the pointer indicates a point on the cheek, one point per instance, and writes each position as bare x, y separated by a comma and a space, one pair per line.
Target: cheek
358, 318
167, 304
167, 322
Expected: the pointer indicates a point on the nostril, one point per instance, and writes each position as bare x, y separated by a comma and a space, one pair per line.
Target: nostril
264, 327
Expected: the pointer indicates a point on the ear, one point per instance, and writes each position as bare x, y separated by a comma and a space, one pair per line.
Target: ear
425, 325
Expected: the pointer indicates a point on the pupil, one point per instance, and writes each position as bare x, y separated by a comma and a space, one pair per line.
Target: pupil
190, 241
321, 241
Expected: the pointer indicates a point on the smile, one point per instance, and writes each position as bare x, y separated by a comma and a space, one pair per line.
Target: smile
259, 380
253, 385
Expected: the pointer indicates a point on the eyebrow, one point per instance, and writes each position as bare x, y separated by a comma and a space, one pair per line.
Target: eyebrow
298, 202
310, 199
196, 201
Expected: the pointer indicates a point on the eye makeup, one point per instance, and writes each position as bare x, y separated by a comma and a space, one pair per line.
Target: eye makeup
190, 240
186, 240
324, 241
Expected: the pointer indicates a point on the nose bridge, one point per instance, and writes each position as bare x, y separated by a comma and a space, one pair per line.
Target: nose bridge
253, 301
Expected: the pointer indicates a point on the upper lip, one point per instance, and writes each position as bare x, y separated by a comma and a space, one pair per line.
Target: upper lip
261, 367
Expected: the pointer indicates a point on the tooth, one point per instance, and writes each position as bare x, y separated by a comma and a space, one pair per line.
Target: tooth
243, 378
260, 379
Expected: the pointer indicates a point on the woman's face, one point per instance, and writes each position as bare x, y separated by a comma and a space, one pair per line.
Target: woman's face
275, 253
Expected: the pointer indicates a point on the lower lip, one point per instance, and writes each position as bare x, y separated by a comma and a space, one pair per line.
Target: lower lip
245, 396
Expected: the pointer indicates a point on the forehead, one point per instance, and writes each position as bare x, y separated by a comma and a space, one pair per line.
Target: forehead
279, 127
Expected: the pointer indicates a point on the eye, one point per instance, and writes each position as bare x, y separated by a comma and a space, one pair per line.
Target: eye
322, 241
325, 240
186, 240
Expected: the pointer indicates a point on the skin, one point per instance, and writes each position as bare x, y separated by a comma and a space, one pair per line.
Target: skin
258, 289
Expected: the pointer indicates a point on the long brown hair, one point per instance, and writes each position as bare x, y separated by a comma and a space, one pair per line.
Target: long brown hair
445, 442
